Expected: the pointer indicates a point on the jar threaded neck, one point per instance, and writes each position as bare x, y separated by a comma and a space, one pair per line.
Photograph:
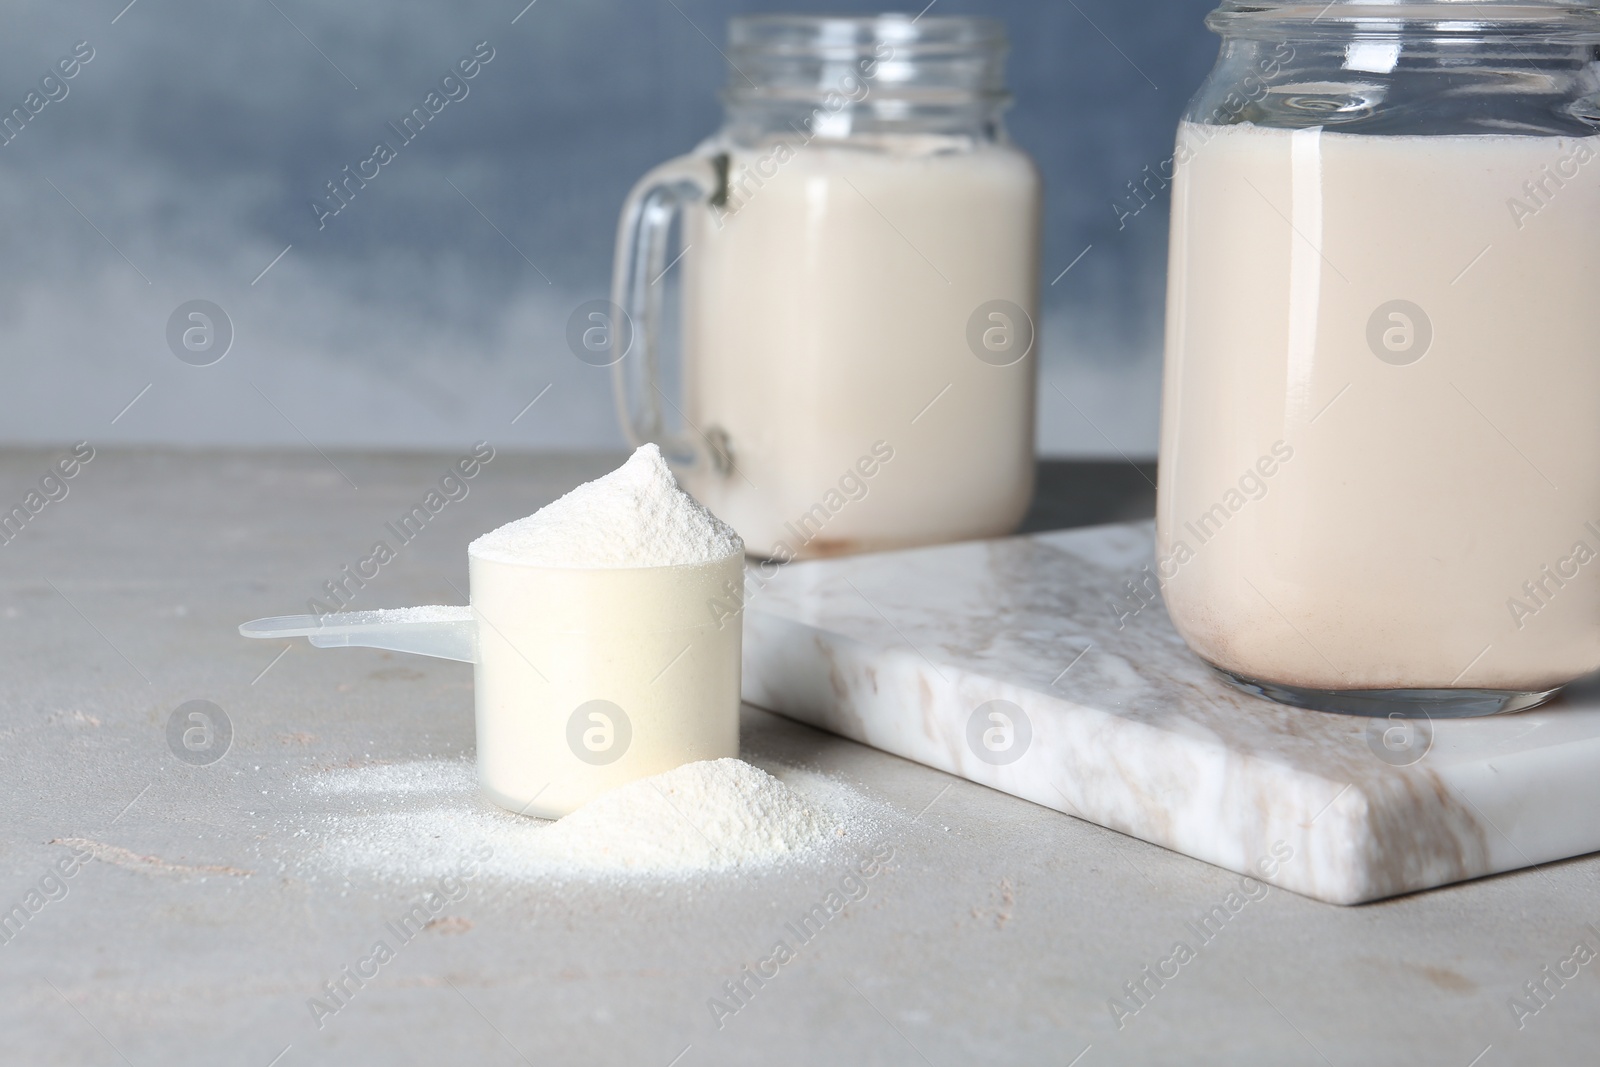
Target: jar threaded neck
930, 59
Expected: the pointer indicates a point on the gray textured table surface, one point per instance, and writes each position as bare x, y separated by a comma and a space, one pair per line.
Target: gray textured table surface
999, 933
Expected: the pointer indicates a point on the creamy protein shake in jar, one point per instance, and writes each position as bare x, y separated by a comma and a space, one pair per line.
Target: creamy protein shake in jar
1378, 488
860, 290
815, 328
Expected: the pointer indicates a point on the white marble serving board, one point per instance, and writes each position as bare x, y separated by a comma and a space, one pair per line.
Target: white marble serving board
1130, 730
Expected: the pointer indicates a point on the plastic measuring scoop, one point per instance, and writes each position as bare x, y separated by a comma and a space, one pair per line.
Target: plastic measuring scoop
584, 679
439, 631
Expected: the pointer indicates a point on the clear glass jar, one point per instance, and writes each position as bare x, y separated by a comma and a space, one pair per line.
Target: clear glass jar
1379, 484
860, 278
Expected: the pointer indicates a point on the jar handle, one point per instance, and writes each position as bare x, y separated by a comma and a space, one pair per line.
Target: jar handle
641, 259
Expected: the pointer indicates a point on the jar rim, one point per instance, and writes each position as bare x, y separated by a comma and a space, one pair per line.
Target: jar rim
1566, 19
860, 34
941, 61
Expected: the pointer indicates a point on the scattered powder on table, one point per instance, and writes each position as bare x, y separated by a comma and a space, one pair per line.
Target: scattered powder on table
701, 816
636, 516
420, 819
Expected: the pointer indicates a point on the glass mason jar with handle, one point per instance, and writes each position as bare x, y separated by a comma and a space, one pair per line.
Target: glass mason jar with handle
860, 277
1379, 480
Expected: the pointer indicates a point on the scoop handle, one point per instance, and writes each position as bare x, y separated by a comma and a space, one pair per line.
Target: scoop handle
448, 633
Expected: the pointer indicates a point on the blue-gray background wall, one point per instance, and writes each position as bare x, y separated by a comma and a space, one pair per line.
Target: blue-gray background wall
185, 155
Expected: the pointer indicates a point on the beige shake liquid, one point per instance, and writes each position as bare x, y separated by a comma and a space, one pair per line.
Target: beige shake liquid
826, 324
1379, 454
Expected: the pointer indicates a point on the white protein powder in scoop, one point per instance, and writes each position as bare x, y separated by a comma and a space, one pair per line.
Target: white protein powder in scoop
601, 659
636, 516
